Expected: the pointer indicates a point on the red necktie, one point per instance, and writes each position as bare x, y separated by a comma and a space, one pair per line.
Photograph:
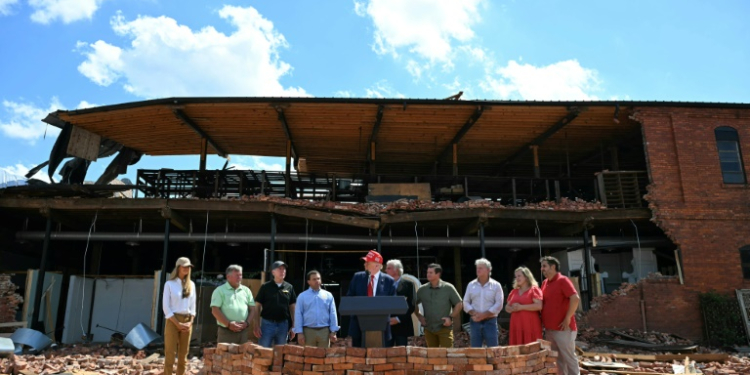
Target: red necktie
370, 286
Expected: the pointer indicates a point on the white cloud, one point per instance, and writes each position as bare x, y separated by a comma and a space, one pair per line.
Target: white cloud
13, 173
165, 58
84, 104
6, 6
381, 90
46, 11
426, 28
258, 163
343, 94
564, 80
24, 120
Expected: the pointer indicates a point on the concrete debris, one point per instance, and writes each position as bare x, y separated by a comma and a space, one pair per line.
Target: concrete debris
9, 301
733, 366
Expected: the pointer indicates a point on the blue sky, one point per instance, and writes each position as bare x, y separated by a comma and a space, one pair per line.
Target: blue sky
80, 53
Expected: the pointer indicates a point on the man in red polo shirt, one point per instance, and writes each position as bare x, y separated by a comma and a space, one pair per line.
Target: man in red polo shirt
558, 315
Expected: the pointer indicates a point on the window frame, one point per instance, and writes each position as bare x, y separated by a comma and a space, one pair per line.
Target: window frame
730, 134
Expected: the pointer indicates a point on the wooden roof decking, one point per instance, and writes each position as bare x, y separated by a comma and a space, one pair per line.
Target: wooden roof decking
332, 135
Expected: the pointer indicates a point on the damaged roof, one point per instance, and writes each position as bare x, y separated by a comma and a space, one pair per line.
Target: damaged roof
409, 136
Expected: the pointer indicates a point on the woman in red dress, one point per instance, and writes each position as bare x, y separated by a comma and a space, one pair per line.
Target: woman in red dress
524, 305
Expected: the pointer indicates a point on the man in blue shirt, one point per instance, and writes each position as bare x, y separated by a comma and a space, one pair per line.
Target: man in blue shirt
315, 319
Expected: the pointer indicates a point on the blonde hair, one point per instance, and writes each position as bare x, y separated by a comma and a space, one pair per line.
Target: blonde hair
526, 273
187, 286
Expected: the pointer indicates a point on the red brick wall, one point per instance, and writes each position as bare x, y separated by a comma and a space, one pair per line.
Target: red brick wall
708, 220
668, 306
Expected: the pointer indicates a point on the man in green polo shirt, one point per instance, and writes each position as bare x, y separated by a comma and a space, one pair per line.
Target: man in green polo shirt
441, 304
232, 305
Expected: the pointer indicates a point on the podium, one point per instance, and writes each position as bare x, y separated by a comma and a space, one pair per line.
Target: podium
373, 314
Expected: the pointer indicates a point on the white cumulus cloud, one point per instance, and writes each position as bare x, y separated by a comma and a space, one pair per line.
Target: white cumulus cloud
165, 58
259, 163
564, 80
426, 28
6, 6
24, 120
67, 11
16, 173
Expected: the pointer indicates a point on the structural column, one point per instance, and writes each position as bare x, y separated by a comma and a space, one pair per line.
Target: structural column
537, 171
273, 242
481, 240
162, 280
288, 175
204, 151
42, 273
587, 266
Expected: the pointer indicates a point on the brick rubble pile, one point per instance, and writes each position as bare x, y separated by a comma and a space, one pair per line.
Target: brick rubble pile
535, 358
90, 360
9, 300
373, 209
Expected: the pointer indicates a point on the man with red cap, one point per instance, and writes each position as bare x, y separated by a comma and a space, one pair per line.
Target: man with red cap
370, 283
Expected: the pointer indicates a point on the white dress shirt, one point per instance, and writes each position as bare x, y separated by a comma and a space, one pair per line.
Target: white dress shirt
483, 298
374, 283
173, 303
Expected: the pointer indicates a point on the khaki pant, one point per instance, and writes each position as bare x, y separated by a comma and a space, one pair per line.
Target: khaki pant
317, 337
228, 336
176, 342
439, 339
564, 342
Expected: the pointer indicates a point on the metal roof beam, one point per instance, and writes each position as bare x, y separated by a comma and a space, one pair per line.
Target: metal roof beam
461, 133
572, 114
192, 125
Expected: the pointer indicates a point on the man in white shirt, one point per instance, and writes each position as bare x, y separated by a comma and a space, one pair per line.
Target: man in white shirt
483, 301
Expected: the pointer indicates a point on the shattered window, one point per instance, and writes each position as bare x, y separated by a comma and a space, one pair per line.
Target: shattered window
730, 155
745, 259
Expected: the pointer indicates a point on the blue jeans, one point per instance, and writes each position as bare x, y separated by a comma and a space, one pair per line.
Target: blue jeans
484, 331
273, 333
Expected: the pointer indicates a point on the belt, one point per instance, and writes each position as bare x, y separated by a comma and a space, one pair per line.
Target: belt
316, 328
274, 321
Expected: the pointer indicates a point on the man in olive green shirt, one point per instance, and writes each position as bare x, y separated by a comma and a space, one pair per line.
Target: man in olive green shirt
441, 304
232, 305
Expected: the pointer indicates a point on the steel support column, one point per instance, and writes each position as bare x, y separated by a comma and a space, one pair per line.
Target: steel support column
587, 266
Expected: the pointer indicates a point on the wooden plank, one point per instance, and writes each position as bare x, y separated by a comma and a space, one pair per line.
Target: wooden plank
84, 144
326, 217
419, 190
12, 324
660, 357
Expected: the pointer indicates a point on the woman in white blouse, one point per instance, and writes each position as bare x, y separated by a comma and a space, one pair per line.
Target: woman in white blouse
179, 311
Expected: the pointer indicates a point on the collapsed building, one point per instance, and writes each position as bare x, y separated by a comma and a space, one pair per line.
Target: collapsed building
615, 190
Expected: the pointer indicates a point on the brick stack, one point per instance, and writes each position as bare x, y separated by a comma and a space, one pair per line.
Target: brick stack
533, 359
9, 299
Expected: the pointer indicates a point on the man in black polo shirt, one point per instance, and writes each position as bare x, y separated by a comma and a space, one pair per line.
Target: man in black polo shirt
274, 306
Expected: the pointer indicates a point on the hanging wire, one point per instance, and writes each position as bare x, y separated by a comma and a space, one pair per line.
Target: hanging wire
640, 255
83, 283
539, 237
203, 270
305, 264
416, 233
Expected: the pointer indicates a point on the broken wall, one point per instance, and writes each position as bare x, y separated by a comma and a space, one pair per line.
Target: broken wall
709, 221
654, 304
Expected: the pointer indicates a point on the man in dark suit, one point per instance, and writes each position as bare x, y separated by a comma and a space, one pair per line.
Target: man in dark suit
402, 326
370, 283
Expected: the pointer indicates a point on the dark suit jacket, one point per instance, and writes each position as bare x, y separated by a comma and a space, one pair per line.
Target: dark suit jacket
406, 327
358, 288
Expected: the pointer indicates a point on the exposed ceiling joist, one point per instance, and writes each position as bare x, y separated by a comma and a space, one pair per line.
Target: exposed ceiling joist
288, 133
461, 133
192, 125
375, 130
572, 114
